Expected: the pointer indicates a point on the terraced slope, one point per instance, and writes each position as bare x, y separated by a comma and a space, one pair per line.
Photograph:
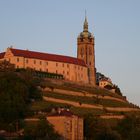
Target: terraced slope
85, 97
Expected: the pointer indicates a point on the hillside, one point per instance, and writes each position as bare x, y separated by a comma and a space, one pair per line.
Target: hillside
29, 98
82, 99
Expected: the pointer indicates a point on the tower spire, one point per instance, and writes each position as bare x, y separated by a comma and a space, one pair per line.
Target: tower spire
85, 27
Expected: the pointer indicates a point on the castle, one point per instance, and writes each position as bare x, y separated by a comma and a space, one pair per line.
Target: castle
80, 69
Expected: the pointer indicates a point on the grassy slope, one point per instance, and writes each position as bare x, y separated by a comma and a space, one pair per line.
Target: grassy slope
57, 84
88, 100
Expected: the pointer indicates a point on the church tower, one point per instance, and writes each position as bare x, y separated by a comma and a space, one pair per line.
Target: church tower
86, 52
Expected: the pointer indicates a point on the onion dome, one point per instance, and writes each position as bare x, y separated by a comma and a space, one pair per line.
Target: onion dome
85, 33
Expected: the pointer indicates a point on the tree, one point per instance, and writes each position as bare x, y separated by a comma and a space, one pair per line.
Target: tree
42, 131
90, 123
130, 124
32, 83
117, 90
6, 66
2, 138
13, 96
97, 129
106, 133
109, 87
16, 92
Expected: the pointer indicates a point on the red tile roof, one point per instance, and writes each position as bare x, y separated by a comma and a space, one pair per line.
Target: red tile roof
2, 55
48, 57
62, 113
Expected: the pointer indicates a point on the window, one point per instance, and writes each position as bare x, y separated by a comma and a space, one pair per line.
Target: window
67, 65
56, 64
40, 62
9, 60
56, 71
46, 70
26, 60
17, 59
34, 61
40, 69
63, 72
46, 63
67, 73
63, 64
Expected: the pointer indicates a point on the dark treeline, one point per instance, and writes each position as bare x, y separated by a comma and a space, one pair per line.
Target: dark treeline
17, 91
99, 129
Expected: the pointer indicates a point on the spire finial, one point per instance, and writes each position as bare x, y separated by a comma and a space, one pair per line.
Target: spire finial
85, 13
85, 23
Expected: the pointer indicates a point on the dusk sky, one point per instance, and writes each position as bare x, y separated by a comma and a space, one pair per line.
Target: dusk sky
52, 26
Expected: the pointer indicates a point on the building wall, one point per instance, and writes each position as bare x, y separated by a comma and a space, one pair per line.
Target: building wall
70, 127
72, 72
104, 83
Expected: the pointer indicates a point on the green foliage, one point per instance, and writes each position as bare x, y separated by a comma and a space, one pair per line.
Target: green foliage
5, 66
13, 97
31, 82
97, 129
117, 90
2, 138
42, 130
130, 124
16, 92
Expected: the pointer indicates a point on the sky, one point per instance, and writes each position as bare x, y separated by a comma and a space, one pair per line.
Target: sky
52, 26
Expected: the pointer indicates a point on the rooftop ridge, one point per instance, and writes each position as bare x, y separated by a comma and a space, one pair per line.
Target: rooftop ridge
47, 56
